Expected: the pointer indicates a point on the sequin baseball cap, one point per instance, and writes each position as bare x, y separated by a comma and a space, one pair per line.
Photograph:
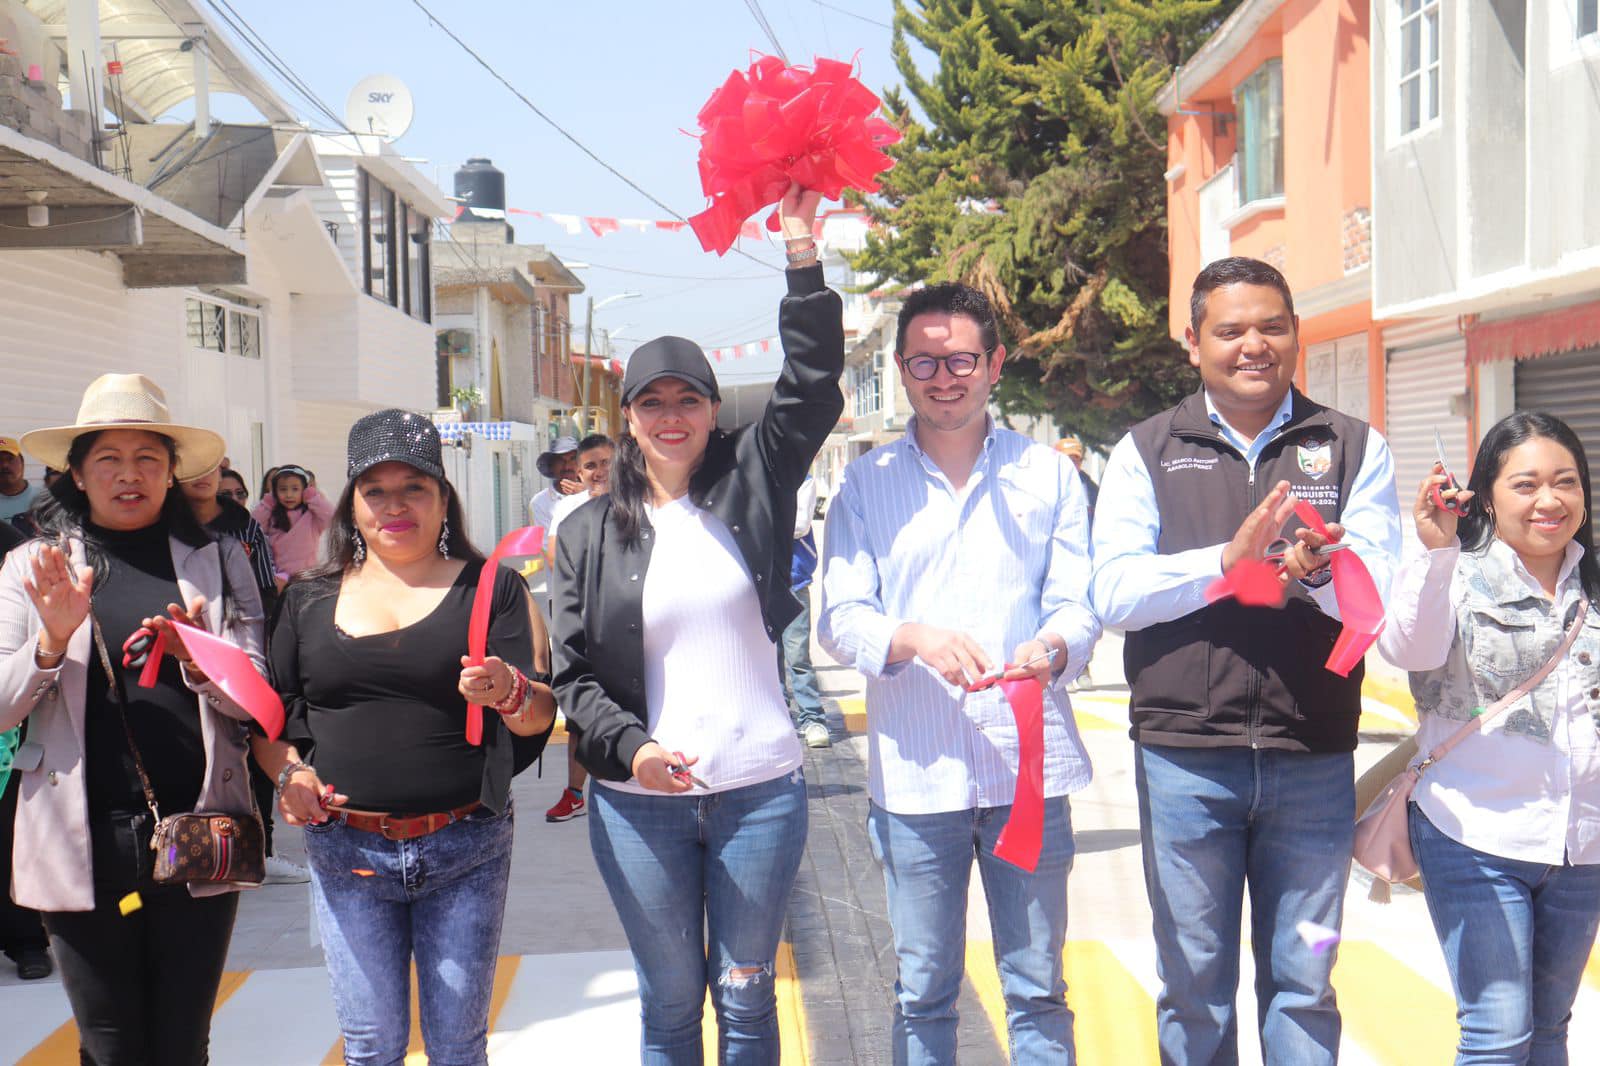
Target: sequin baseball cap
395, 436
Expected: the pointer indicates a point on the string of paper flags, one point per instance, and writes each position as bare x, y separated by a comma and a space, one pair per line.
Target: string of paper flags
739, 351
603, 225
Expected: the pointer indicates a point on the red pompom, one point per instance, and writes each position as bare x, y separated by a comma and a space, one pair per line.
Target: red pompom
775, 124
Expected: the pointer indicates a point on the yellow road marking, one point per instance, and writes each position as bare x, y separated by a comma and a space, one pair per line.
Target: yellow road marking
792, 1042
1371, 983
1114, 1017
61, 1046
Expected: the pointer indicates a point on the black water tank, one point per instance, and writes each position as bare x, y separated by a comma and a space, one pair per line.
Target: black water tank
482, 186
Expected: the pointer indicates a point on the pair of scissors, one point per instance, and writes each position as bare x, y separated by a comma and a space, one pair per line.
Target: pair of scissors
681, 771
1454, 504
1280, 548
985, 680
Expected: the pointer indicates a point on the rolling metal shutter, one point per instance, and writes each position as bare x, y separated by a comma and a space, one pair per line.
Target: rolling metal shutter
1422, 382
1567, 386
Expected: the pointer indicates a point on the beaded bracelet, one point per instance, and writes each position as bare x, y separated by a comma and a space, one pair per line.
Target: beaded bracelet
512, 702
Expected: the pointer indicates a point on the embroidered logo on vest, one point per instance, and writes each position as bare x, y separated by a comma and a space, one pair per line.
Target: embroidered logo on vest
1316, 457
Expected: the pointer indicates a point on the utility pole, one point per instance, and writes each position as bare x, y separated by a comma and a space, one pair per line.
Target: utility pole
588, 353
583, 384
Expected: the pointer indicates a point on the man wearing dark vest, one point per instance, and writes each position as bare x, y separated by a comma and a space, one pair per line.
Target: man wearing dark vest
1243, 739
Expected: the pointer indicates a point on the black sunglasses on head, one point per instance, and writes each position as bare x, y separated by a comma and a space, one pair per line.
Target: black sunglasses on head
960, 364
234, 494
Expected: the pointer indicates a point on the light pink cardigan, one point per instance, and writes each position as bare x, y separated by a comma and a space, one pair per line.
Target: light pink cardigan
298, 547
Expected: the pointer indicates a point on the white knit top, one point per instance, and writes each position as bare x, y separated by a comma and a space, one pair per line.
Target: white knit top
710, 673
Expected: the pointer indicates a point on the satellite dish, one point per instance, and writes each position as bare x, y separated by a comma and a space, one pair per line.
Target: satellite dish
379, 105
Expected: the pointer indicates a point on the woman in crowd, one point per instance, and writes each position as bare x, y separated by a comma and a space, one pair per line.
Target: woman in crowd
408, 821
294, 514
231, 486
668, 599
224, 516
1506, 829
141, 962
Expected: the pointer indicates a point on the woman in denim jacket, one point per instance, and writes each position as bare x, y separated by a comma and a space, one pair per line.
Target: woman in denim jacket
1507, 829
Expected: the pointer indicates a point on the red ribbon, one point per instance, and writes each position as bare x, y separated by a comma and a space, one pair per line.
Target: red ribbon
1360, 606
1253, 582
1023, 834
229, 668
529, 540
777, 124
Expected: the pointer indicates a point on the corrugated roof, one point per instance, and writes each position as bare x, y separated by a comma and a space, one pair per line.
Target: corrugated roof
157, 75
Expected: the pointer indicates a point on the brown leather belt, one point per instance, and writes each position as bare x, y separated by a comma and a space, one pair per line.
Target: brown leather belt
391, 827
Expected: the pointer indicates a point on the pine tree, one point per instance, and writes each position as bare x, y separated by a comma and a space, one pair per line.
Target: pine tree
1037, 177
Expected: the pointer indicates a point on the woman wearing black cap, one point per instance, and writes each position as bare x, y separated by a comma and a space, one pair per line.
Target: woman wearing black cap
669, 596
408, 819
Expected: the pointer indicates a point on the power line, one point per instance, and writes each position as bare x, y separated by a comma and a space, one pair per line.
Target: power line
569, 253
852, 14
258, 44
585, 149
766, 27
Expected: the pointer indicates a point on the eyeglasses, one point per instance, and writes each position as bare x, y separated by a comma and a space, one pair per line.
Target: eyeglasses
234, 494
960, 364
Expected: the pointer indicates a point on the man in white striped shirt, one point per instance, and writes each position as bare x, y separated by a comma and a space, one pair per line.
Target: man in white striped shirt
957, 548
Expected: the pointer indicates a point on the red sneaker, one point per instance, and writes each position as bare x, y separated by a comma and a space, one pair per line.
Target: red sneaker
569, 806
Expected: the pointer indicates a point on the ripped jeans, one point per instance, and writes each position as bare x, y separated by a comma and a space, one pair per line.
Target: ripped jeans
701, 884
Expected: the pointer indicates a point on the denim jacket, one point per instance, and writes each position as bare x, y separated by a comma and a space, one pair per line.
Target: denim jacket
1471, 627
1504, 633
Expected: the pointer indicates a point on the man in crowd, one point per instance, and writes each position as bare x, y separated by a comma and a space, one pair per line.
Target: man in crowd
1243, 738
592, 462
16, 491
799, 676
560, 465
958, 548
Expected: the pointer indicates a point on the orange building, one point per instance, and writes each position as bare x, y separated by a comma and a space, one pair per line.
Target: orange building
1269, 156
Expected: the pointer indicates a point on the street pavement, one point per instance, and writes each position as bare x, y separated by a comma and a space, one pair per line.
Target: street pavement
565, 989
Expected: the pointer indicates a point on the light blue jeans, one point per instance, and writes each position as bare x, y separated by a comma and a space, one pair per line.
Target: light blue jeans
799, 676
1516, 936
439, 899
927, 867
1215, 820
701, 884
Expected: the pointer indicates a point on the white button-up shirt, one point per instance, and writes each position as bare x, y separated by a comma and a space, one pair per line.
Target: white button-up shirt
1002, 559
1507, 790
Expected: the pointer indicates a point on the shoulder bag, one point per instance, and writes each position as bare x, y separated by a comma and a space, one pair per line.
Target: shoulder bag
197, 845
1383, 834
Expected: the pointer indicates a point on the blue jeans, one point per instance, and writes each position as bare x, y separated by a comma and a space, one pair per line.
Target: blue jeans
1516, 936
702, 884
927, 866
799, 676
438, 898
1214, 820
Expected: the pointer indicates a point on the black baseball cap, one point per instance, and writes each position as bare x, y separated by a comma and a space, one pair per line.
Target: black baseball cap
669, 357
395, 436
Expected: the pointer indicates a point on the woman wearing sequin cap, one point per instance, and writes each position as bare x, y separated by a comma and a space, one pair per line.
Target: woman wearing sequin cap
669, 595
408, 822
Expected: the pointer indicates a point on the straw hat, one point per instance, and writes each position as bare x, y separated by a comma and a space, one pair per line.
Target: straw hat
127, 401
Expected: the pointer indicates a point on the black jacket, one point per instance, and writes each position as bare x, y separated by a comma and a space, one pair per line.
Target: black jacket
748, 479
1228, 675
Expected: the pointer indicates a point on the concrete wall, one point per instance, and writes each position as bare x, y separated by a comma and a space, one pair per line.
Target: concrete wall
1320, 233
1496, 137
1415, 207
67, 320
1563, 138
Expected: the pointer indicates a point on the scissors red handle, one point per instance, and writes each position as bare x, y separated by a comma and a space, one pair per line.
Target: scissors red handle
1454, 505
680, 770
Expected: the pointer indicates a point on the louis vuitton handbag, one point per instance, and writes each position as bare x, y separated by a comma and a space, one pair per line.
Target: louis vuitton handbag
198, 845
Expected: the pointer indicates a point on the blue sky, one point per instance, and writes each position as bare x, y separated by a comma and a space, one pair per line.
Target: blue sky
624, 76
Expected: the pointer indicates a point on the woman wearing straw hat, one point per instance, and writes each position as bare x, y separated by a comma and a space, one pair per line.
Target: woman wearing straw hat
141, 962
